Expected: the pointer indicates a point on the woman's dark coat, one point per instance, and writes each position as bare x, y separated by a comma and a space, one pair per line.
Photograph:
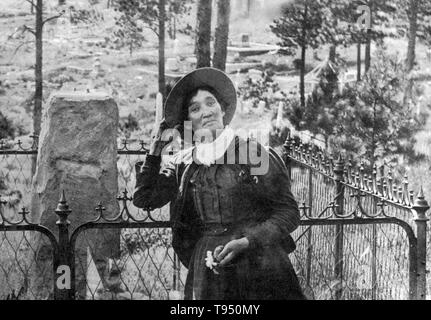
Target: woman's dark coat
268, 235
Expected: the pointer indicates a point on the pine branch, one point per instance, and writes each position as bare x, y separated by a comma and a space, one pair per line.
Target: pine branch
32, 3
53, 17
19, 47
31, 30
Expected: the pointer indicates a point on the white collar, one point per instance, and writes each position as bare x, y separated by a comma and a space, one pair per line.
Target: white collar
206, 153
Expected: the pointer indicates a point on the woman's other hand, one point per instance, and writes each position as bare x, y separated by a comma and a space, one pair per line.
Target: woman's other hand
230, 250
217, 251
158, 141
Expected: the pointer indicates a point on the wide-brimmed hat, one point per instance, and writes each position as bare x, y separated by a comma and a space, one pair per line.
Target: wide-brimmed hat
202, 77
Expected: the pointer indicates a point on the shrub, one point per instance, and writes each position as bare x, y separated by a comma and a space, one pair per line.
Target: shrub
7, 130
259, 90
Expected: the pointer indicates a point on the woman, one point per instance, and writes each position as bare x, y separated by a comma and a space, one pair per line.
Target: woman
231, 225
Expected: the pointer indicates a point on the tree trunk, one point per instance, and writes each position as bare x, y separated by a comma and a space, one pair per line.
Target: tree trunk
38, 94
333, 46
358, 62
203, 33
332, 53
368, 51
171, 29
162, 82
367, 61
221, 34
410, 59
175, 27
248, 8
37, 111
302, 77
303, 52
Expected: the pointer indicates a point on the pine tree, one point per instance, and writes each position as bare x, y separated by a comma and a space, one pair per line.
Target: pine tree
151, 14
319, 114
6, 128
415, 23
367, 119
372, 121
300, 27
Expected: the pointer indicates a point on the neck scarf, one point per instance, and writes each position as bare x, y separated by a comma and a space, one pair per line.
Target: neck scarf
206, 153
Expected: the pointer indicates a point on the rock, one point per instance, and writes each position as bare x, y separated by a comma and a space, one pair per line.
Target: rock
261, 107
94, 42
78, 154
79, 70
80, 55
172, 64
255, 74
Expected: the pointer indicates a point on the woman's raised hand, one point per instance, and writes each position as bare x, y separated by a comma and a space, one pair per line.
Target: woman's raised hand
157, 143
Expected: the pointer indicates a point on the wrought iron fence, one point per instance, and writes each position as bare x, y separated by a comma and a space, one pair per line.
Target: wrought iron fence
147, 258
147, 267
362, 236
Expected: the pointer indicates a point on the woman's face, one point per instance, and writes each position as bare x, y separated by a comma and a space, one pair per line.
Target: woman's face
205, 112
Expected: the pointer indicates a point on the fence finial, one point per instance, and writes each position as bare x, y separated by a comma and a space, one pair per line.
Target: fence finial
420, 205
339, 168
390, 186
24, 213
406, 190
374, 179
63, 210
35, 141
100, 208
288, 145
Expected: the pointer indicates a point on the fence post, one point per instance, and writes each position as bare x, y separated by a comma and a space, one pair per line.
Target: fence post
339, 233
309, 232
34, 146
63, 285
420, 207
287, 153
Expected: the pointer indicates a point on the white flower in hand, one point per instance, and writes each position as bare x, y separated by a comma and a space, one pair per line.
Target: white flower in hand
210, 263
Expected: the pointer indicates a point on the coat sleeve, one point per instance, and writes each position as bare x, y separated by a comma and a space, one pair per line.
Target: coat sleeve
187, 226
185, 235
155, 186
282, 217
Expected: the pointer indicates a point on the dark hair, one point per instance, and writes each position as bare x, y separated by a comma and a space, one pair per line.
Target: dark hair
191, 94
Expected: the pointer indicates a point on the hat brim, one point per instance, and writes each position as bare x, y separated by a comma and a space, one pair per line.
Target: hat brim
202, 77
